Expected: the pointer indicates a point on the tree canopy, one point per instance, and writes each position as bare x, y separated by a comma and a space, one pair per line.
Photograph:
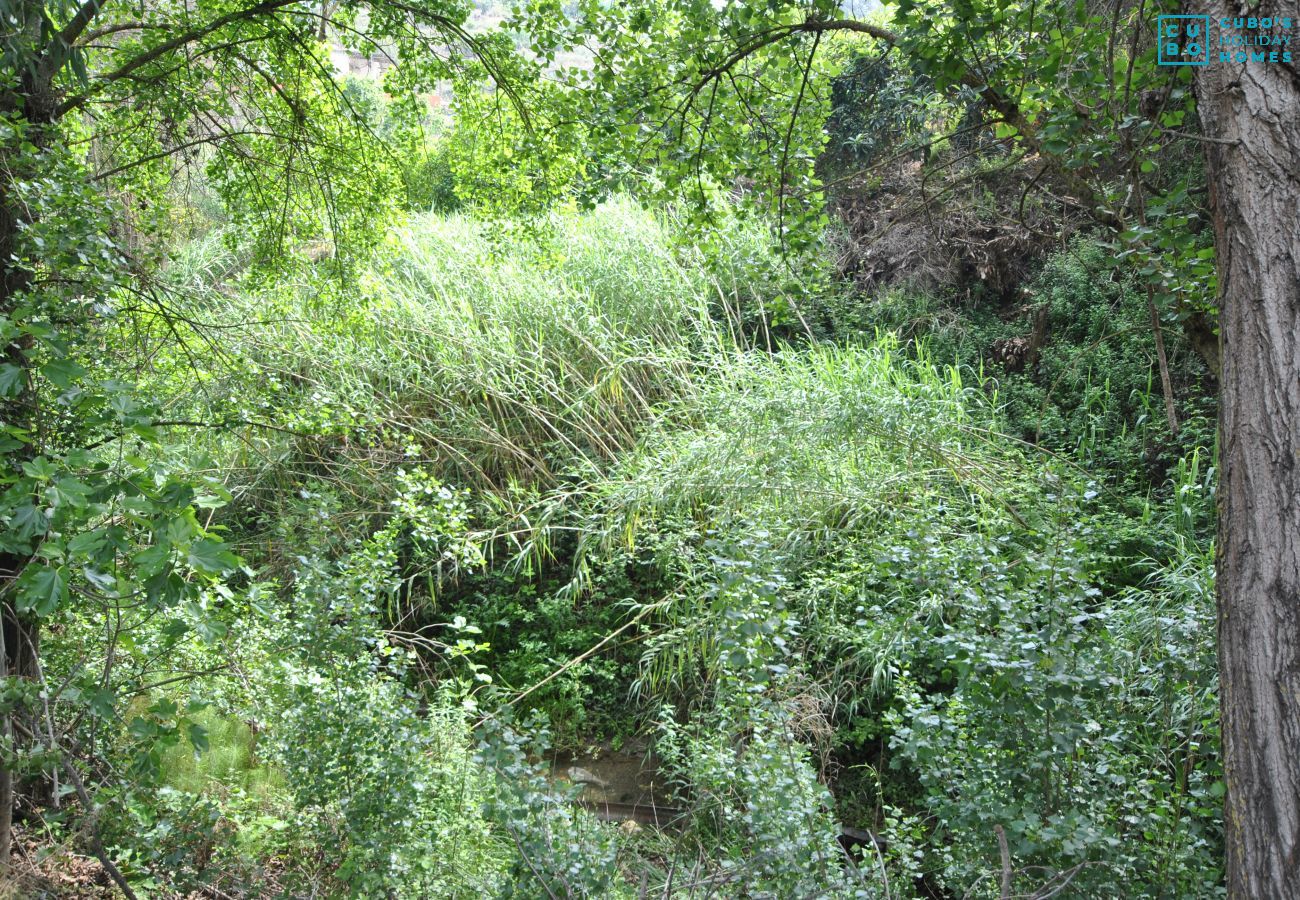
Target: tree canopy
804, 397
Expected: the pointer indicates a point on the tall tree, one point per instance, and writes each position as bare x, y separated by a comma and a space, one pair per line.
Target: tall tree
97, 100
1251, 110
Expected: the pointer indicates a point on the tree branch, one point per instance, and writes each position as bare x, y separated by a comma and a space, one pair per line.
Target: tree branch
59, 50
166, 47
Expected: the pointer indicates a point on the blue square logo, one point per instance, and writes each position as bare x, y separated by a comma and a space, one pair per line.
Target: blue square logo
1183, 40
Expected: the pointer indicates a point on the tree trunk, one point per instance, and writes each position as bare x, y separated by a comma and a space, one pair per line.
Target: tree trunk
20, 634
15, 411
18, 657
1254, 108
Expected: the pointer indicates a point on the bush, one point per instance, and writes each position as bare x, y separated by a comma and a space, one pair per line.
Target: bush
429, 181
560, 849
1092, 390
970, 615
842, 591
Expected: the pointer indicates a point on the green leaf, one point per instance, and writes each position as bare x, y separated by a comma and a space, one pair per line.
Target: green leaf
11, 380
198, 736
164, 588
26, 522
77, 61
43, 591
152, 560
39, 468
141, 728
62, 372
164, 708
87, 542
105, 581
101, 703
210, 630
211, 557
69, 492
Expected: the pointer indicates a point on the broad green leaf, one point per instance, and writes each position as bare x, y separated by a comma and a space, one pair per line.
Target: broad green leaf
62, 372
12, 380
211, 557
43, 591
198, 736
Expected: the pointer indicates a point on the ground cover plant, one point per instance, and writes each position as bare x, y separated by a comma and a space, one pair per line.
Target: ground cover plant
672, 450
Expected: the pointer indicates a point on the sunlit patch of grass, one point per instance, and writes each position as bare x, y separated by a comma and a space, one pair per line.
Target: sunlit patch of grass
230, 761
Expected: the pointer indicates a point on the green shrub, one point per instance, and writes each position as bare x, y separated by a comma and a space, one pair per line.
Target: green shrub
1094, 391
969, 610
1082, 725
560, 848
429, 181
849, 592
379, 774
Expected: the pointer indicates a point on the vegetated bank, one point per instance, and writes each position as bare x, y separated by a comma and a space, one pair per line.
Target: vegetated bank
881, 579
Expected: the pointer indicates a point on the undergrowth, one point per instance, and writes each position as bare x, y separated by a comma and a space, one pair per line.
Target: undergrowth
878, 579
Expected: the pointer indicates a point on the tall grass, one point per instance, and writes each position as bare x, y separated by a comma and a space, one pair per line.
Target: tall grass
811, 454
514, 357
509, 359
812, 443
230, 759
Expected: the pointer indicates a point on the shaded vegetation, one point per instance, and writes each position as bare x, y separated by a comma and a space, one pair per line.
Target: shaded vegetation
879, 523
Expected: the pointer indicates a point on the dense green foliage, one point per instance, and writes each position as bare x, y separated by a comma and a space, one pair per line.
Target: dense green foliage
840, 575
387, 461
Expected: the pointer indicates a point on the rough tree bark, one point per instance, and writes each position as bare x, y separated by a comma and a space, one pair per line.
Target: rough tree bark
1252, 112
19, 634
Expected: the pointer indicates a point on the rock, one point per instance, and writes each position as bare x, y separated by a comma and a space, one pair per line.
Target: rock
579, 775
